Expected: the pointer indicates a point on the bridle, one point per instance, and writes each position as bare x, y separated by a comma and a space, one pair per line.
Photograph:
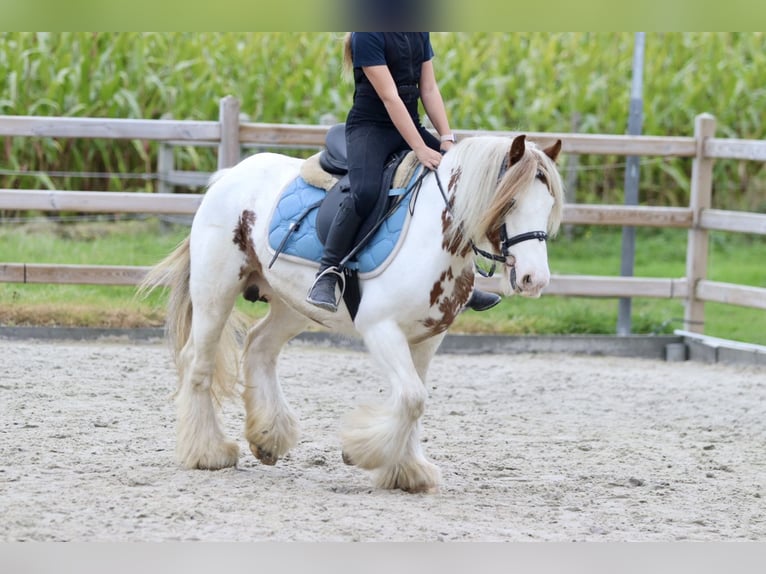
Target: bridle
505, 242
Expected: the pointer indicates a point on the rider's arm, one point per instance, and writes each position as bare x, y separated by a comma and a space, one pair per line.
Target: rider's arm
433, 102
381, 79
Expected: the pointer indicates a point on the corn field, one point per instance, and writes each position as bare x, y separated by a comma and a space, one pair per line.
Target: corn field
556, 82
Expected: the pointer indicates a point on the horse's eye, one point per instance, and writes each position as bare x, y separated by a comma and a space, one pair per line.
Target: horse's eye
541, 176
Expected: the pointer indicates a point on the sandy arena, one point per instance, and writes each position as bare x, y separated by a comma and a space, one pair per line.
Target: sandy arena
547, 447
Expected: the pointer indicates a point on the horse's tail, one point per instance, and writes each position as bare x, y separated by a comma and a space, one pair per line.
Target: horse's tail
174, 272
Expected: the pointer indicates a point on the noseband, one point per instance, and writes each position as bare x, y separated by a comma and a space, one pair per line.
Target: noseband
505, 244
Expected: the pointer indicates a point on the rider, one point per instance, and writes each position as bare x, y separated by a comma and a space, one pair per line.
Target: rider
392, 70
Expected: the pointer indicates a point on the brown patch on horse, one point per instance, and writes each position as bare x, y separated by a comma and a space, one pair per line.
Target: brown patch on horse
493, 236
243, 240
437, 289
449, 307
452, 239
451, 243
454, 178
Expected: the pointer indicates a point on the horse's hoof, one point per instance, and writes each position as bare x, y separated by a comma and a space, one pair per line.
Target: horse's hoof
225, 456
421, 489
265, 457
346, 459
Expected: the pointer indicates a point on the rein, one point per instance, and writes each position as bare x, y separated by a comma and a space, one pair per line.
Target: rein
413, 189
505, 242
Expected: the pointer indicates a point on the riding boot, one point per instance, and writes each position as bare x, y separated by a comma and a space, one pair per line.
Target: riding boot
481, 300
339, 242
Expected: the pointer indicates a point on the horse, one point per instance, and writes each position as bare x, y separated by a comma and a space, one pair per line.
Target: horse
497, 196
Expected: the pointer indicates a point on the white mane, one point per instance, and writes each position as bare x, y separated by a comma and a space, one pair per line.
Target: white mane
474, 168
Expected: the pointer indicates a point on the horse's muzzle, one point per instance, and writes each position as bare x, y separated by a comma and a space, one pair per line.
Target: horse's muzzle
529, 286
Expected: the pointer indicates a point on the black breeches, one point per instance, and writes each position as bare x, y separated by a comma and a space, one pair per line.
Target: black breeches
368, 147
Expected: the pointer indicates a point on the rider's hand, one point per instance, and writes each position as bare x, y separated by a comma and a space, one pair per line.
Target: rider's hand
428, 157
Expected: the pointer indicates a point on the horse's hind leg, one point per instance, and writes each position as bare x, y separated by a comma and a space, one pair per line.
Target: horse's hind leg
271, 427
423, 353
201, 442
386, 438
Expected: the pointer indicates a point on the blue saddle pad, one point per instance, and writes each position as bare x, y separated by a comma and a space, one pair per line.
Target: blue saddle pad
297, 197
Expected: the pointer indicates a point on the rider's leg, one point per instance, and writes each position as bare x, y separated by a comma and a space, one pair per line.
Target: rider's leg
368, 147
339, 242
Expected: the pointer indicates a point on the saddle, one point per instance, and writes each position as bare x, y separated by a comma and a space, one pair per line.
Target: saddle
333, 162
304, 213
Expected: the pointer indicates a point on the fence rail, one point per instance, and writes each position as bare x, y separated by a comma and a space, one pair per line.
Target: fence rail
230, 136
99, 202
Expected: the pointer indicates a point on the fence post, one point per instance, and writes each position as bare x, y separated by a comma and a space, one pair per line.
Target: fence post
697, 244
228, 116
165, 164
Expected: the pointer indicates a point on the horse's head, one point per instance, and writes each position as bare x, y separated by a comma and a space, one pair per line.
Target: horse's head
515, 212
526, 210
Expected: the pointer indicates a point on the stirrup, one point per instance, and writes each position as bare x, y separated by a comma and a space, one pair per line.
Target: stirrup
322, 304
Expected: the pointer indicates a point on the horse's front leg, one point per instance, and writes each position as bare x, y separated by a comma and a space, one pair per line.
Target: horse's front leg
386, 438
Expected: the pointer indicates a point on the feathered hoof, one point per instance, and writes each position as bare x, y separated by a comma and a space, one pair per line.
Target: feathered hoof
266, 457
271, 441
224, 455
371, 437
413, 477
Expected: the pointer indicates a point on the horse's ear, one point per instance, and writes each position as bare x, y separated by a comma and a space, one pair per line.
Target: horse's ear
553, 151
518, 147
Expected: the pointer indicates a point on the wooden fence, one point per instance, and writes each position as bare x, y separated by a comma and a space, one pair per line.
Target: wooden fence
229, 135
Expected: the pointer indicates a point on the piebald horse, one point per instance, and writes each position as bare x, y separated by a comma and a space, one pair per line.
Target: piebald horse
496, 196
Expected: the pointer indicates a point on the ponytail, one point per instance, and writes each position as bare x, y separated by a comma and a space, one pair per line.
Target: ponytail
348, 62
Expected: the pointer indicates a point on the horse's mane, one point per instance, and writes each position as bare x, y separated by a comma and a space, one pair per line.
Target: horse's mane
483, 202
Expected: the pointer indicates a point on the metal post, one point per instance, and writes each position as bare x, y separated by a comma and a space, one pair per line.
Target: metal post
635, 123
570, 188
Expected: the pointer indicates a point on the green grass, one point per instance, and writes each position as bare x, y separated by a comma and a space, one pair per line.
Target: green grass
98, 243
592, 251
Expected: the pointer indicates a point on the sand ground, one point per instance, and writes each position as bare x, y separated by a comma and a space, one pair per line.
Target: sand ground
532, 447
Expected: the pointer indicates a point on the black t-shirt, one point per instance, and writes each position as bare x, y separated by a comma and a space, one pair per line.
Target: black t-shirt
404, 53
368, 48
